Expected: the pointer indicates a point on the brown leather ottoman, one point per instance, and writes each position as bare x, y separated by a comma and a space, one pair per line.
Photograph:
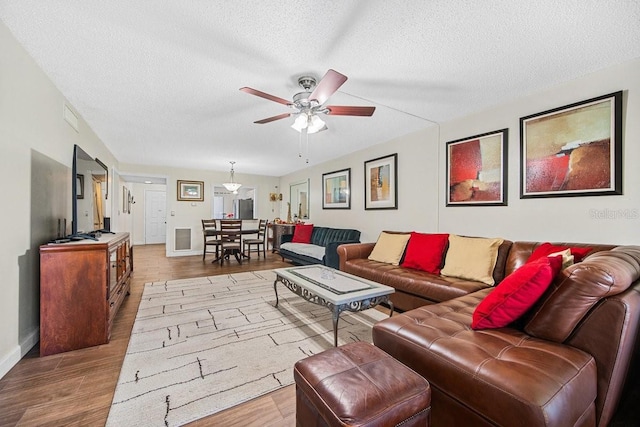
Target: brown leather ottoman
359, 385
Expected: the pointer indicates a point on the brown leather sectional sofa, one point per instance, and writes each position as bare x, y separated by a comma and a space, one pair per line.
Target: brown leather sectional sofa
563, 364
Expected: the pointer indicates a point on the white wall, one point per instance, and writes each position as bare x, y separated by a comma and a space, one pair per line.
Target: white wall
556, 219
121, 219
35, 174
422, 177
418, 180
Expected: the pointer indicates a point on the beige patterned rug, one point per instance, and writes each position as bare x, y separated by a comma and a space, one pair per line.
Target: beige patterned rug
202, 345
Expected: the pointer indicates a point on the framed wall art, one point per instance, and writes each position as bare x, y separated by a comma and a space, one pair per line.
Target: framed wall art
477, 170
336, 189
192, 191
575, 150
381, 183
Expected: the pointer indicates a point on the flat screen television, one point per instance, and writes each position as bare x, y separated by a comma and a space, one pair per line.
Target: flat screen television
89, 188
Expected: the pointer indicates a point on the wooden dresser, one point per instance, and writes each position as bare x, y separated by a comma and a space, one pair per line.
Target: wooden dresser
82, 285
277, 231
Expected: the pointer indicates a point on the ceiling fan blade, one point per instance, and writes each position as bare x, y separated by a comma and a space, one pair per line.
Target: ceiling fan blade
265, 95
343, 110
273, 119
330, 83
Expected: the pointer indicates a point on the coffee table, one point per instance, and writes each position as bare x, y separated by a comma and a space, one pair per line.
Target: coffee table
334, 289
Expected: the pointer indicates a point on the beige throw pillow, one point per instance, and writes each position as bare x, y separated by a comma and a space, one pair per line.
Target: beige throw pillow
567, 258
472, 258
389, 248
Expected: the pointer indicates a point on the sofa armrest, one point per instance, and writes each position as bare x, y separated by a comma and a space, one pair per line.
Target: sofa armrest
286, 238
353, 251
331, 258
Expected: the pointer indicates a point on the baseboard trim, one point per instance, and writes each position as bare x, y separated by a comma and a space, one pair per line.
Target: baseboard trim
14, 356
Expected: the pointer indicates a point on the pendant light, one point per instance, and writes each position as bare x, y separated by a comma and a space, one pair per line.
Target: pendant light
232, 185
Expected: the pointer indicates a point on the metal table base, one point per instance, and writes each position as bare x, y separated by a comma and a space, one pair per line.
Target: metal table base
336, 309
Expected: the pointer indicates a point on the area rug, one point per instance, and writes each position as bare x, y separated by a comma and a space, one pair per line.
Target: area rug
202, 345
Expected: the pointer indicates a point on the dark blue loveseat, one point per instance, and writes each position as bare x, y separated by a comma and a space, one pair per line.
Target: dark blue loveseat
323, 248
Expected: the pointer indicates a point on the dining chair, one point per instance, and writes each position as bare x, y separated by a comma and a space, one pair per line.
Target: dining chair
230, 239
257, 242
210, 236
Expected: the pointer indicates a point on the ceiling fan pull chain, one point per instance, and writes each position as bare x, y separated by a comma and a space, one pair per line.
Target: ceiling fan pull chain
306, 132
300, 145
307, 148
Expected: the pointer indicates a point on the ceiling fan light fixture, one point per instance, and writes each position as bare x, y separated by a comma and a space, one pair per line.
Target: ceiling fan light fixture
315, 124
311, 122
232, 185
300, 122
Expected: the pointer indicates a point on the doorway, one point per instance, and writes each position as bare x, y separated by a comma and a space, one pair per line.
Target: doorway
226, 204
155, 217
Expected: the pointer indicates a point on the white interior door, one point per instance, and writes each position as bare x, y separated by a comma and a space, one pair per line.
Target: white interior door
155, 217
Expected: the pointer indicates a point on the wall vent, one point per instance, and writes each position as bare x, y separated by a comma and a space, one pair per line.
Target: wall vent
182, 239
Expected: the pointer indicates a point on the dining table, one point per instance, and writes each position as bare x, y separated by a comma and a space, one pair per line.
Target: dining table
244, 231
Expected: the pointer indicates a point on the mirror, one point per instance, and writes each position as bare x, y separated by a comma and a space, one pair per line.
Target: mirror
90, 194
299, 197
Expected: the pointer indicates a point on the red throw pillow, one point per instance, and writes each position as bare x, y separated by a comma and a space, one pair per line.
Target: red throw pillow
516, 294
547, 248
302, 233
424, 252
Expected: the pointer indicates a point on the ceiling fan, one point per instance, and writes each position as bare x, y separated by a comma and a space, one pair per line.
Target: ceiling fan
307, 104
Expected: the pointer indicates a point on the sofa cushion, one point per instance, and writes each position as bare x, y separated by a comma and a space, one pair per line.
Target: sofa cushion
472, 258
425, 252
322, 236
429, 288
516, 293
578, 288
390, 247
302, 233
306, 249
503, 374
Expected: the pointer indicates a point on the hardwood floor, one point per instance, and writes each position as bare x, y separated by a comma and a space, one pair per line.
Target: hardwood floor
76, 388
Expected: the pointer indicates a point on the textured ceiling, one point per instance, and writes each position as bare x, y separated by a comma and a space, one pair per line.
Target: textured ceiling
158, 80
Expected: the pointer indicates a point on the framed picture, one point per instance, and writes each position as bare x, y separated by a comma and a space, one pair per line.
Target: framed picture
191, 191
575, 150
80, 186
477, 170
336, 189
129, 200
381, 183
